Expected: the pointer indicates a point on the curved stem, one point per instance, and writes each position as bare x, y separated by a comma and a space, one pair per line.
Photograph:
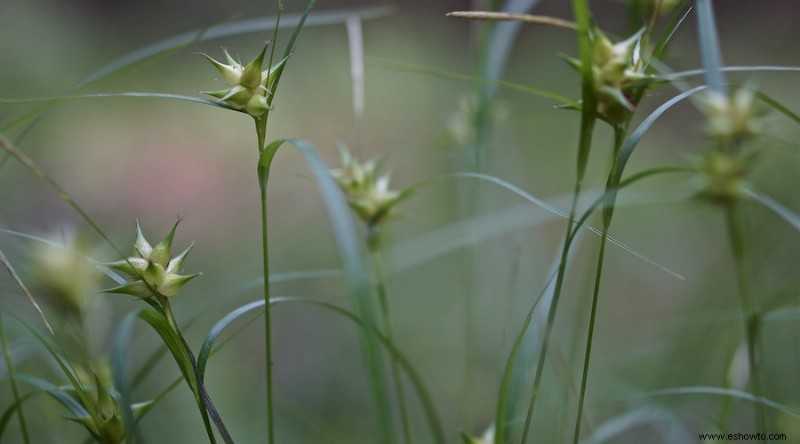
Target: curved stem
388, 325
751, 316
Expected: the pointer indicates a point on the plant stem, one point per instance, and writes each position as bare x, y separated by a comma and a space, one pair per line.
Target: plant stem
750, 315
261, 130
588, 117
388, 325
590, 335
608, 211
195, 384
548, 329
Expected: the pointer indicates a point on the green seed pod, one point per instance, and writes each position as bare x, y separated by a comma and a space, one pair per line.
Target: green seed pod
724, 175
257, 106
231, 74
250, 86
152, 273
251, 75
367, 194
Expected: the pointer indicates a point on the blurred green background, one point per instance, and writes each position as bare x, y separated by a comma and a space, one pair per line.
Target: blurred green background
126, 159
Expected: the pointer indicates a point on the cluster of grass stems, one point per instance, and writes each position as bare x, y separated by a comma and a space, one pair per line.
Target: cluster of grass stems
88, 404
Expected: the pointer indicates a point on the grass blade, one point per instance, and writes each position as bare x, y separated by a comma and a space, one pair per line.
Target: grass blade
719, 391
216, 330
504, 392
350, 252
785, 213
25, 290
675, 22
518, 191
38, 172
120, 370
777, 106
708, 42
159, 322
390, 64
240, 27
8, 413
588, 96
141, 57
12, 378
633, 140
85, 402
208, 349
290, 47
755, 68
149, 95
60, 394
437, 434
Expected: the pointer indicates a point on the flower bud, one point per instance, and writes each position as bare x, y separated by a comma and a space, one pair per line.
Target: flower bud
367, 194
724, 175
249, 85
257, 106
733, 117
152, 270
66, 275
618, 77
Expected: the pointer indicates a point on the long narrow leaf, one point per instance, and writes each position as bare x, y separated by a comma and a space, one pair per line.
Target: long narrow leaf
240, 27
390, 64
149, 95
777, 106
175, 345
589, 100
368, 328
216, 330
86, 403
120, 371
25, 290
710, 51
8, 413
633, 140
786, 214
757, 68
719, 391
290, 47
556, 211
12, 378
60, 394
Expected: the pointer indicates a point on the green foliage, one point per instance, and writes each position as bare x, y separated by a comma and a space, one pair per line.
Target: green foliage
532, 367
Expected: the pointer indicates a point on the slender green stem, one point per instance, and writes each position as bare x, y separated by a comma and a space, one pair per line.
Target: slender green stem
267, 318
163, 302
13, 380
389, 327
590, 335
750, 315
588, 118
261, 131
548, 329
608, 211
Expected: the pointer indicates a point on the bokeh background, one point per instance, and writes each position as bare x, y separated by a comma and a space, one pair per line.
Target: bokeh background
151, 160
